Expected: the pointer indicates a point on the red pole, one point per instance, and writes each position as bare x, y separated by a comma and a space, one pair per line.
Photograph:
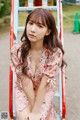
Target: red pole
12, 24
11, 94
38, 2
63, 95
11, 73
63, 72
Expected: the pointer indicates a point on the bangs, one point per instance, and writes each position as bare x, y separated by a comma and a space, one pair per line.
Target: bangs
38, 18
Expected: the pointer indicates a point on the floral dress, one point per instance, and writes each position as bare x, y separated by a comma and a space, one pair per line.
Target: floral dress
49, 65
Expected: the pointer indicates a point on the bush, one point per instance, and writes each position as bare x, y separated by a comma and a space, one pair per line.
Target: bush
22, 2
6, 20
4, 7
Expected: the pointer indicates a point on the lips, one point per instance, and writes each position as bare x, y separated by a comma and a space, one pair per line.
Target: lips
31, 35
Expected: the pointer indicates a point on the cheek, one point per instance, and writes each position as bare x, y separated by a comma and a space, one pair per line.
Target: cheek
27, 29
43, 33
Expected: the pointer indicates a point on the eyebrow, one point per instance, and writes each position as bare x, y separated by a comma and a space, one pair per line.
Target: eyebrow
39, 23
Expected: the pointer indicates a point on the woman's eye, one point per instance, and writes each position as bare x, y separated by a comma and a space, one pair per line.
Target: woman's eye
30, 22
40, 26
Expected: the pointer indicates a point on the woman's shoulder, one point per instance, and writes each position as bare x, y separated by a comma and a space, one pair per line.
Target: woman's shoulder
54, 51
57, 51
15, 47
55, 56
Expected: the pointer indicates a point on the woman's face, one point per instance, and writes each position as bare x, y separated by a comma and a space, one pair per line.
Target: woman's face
36, 31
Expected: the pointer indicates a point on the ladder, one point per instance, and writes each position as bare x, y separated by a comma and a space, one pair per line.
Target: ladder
14, 38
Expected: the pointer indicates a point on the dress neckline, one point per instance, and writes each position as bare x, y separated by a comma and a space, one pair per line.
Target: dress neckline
38, 65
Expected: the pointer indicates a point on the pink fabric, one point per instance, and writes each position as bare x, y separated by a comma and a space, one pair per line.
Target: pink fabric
49, 65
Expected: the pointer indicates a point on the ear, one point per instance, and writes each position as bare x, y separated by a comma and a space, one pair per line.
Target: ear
48, 32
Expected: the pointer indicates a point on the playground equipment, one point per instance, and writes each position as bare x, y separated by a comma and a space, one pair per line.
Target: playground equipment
76, 23
14, 38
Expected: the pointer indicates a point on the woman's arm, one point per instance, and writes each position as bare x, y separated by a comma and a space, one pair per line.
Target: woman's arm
40, 95
35, 113
27, 86
47, 87
16, 66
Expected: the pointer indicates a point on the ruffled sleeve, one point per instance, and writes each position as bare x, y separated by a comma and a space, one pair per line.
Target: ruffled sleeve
15, 58
16, 65
52, 69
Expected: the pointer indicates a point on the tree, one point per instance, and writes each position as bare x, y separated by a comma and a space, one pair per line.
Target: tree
71, 1
22, 2
4, 7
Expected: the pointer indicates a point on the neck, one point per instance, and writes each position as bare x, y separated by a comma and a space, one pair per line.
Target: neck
36, 46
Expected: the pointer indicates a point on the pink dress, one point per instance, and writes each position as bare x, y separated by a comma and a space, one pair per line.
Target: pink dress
49, 65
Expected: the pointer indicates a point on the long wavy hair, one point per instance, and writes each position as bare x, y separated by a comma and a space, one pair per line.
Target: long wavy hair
51, 41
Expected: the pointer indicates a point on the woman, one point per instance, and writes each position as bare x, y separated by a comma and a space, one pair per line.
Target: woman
36, 61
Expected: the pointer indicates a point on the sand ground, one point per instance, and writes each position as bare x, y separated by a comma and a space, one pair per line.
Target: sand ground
72, 56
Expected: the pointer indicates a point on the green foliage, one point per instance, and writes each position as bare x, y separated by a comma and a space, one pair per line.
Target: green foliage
70, 1
4, 7
22, 2
69, 12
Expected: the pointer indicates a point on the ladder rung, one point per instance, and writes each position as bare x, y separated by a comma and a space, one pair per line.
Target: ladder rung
31, 8
21, 28
58, 116
57, 95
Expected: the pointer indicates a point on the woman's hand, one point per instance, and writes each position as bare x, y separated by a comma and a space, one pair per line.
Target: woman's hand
21, 76
34, 116
24, 79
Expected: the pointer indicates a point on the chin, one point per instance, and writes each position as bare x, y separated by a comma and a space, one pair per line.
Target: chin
32, 40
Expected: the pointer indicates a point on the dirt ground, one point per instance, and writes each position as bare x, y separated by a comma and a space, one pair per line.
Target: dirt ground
72, 56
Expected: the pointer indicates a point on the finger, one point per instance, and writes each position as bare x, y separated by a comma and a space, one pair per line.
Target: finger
27, 118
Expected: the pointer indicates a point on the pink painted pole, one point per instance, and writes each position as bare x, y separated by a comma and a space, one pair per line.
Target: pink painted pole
63, 72
11, 73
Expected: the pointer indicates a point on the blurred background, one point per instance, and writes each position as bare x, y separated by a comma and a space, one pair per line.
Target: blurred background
71, 32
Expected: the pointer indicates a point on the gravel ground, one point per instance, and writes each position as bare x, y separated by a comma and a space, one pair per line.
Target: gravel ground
72, 50
72, 56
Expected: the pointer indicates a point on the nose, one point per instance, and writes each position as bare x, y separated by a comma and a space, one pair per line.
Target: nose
33, 28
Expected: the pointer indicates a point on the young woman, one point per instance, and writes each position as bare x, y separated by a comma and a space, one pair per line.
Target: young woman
36, 61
